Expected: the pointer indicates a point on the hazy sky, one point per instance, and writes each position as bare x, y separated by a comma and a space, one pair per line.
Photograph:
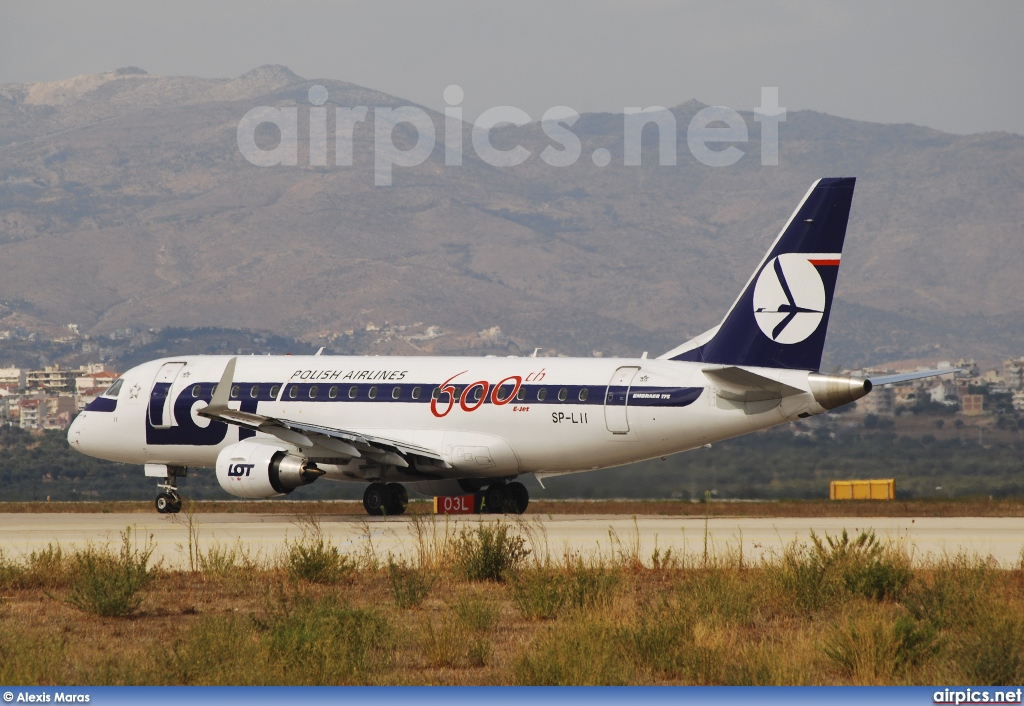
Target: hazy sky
952, 66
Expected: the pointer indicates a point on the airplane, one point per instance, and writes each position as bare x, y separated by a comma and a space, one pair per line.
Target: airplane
455, 425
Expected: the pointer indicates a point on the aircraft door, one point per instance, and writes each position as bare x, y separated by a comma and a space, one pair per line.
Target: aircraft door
161, 402
616, 397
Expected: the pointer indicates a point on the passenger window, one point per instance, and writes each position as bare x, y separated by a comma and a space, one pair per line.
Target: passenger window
435, 393
416, 393
333, 392
584, 393
114, 389
254, 392
457, 394
312, 392
521, 395
563, 394
541, 394
234, 392
196, 390
373, 393
353, 392
273, 391
396, 393
293, 392
478, 392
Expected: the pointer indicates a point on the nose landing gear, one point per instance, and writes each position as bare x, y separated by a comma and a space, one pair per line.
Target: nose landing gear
168, 501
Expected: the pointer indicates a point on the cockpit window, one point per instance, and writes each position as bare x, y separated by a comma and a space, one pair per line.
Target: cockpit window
114, 389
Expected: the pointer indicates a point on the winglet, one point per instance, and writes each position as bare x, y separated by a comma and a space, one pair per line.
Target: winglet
222, 393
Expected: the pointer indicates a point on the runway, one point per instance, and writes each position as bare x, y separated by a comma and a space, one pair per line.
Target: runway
265, 536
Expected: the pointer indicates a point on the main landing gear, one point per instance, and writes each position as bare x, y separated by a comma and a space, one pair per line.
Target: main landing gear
501, 497
168, 501
385, 499
391, 499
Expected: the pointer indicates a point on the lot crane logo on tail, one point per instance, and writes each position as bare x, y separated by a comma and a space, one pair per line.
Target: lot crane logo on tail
789, 296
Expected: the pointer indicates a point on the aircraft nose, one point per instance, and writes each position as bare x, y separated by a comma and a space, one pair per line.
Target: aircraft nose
75, 430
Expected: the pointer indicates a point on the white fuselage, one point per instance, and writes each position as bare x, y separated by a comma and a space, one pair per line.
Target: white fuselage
512, 415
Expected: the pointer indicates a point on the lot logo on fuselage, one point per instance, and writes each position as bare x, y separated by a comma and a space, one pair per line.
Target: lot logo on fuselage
789, 297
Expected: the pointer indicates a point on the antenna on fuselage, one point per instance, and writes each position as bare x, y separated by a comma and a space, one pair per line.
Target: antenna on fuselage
535, 351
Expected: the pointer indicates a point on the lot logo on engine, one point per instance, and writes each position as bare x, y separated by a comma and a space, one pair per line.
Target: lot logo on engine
237, 470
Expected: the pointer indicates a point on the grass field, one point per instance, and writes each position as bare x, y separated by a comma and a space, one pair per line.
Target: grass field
478, 608
969, 507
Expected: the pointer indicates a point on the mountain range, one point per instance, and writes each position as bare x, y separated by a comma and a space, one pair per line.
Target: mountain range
125, 201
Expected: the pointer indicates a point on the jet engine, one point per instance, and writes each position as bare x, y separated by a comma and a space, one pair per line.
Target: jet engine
253, 469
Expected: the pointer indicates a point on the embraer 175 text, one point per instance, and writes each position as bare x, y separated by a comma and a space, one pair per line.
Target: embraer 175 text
450, 426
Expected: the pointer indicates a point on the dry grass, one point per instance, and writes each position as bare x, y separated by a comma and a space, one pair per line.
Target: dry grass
836, 611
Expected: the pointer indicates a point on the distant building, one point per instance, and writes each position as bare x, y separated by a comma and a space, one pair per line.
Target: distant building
31, 413
12, 378
992, 377
904, 395
52, 377
945, 392
1013, 373
60, 404
972, 405
1018, 400
881, 402
99, 378
84, 397
62, 420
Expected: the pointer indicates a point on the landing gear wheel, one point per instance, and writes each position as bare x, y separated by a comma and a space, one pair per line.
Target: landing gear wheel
496, 499
399, 499
520, 497
377, 499
168, 503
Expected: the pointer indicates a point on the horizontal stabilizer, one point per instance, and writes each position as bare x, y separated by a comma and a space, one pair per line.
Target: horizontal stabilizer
743, 385
906, 377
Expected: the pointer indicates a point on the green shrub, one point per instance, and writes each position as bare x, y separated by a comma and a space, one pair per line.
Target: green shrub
578, 652
109, 584
42, 568
410, 585
489, 553
217, 649
312, 559
993, 653
590, 585
324, 641
816, 574
218, 560
873, 650
726, 594
476, 612
539, 594
954, 592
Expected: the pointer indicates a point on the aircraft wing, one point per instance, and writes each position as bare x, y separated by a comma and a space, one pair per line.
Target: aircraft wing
306, 435
905, 377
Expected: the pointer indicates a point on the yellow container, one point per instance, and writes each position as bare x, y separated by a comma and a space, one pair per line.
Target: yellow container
862, 489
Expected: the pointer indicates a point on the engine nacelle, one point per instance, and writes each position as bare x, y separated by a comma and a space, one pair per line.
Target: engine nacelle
254, 469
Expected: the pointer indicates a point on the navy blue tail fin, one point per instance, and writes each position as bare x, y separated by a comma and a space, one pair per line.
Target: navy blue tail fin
780, 319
